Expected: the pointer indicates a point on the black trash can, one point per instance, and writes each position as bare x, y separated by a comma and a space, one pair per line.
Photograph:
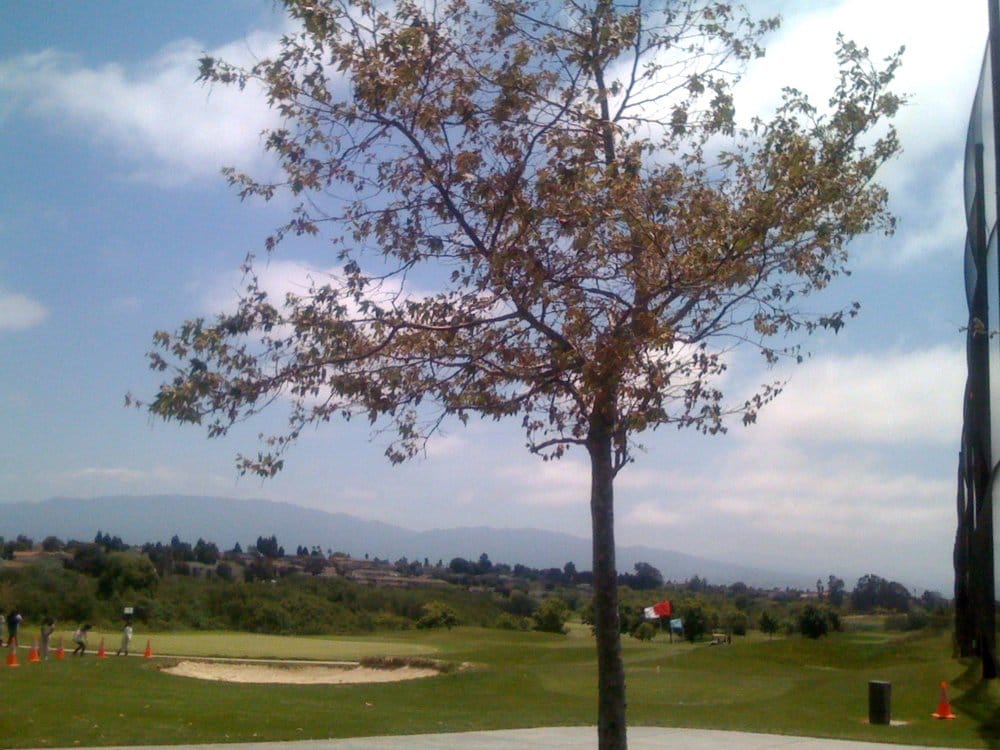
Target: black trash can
879, 702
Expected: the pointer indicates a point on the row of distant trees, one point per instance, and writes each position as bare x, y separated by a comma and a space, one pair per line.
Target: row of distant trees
870, 593
92, 583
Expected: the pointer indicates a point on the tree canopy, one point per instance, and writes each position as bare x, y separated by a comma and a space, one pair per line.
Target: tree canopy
545, 212
598, 227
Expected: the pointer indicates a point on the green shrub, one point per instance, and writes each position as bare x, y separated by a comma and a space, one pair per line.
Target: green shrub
769, 623
917, 619
519, 604
695, 622
737, 623
645, 632
833, 617
437, 615
895, 622
507, 621
551, 616
813, 622
126, 572
390, 621
270, 617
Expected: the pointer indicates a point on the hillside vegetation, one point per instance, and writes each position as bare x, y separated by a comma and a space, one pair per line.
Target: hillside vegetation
183, 586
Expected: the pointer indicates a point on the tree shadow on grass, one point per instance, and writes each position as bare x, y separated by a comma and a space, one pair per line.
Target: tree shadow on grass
980, 702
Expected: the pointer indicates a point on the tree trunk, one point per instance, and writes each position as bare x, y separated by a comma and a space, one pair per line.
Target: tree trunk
611, 733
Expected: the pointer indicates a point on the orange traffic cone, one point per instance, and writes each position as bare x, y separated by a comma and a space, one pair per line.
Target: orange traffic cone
12, 653
944, 708
148, 653
60, 652
101, 653
33, 654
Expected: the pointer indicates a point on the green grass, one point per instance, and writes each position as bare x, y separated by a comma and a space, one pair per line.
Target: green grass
790, 686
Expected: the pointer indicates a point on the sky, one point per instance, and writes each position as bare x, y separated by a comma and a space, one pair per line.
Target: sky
115, 223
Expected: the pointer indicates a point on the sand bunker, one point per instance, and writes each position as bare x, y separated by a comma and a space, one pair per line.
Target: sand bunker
294, 674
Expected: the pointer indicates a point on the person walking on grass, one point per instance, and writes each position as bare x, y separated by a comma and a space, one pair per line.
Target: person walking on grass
80, 639
126, 639
48, 628
13, 622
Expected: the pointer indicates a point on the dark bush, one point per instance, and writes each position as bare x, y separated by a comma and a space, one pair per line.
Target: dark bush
645, 632
695, 622
813, 622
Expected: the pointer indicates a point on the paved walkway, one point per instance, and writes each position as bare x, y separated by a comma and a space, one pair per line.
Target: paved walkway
558, 738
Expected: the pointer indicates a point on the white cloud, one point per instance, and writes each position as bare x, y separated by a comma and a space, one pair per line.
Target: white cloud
547, 483
939, 73
942, 56
652, 514
886, 398
836, 497
19, 312
116, 474
276, 277
446, 446
789, 506
171, 129
850, 470
279, 278
931, 215
123, 475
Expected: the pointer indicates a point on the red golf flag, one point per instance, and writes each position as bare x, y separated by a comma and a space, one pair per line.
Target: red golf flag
663, 609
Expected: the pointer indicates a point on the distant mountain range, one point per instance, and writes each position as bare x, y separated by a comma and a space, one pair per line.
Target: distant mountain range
225, 521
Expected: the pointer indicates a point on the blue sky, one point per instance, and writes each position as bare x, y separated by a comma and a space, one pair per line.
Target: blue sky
114, 223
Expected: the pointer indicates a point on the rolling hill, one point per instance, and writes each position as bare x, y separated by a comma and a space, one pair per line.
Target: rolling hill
226, 521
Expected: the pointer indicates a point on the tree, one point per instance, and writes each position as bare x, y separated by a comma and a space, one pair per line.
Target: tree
769, 623
737, 622
835, 590
206, 553
437, 614
126, 572
569, 573
485, 565
181, 551
551, 616
53, 544
597, 231
260, 569
646, 631
110, 543
314, 565
873, 591
520, 604
695, 621
268, 547
461, 566
813, 622
89, 559
645, 577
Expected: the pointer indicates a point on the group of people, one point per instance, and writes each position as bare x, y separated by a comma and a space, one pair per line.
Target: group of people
13, 622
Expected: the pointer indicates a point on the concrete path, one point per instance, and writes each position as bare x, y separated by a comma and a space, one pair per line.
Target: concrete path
558, 738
